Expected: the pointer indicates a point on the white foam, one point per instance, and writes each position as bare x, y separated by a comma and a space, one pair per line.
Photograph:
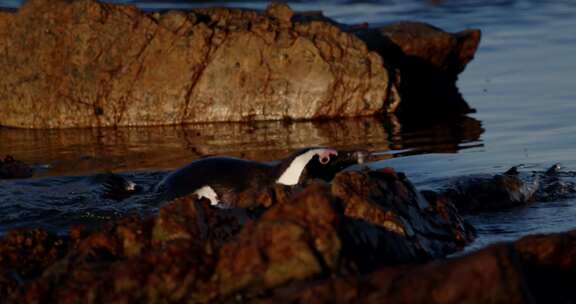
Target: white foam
131, 186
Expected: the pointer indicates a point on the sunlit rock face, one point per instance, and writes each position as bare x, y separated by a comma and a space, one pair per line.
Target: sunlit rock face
89, 64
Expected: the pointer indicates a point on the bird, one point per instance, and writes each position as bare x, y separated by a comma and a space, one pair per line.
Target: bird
222, 180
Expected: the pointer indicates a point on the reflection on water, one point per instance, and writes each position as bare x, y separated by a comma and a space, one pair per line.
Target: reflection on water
85, 151
437, 136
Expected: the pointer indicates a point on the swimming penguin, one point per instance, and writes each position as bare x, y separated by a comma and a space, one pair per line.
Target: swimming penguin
222, 180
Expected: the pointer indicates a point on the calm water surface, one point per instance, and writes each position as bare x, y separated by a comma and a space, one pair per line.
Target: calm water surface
522, 83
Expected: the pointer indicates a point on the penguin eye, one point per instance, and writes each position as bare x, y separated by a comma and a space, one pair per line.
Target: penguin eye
325, 155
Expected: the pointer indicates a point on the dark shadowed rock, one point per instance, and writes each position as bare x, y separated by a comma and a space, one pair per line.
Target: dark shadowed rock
535, 269
485, 193
24, 255
428, 61
490, 193
164, 258
389, 222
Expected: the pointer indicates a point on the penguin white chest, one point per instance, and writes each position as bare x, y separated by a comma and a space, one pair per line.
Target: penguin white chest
208, 193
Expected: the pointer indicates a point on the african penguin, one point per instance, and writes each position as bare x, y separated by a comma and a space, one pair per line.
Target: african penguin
222, 179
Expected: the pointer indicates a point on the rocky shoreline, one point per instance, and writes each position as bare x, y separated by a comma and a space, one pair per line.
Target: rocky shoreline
368, 236
91, 64
192, 251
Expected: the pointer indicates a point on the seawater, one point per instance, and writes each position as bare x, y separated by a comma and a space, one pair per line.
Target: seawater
522, 84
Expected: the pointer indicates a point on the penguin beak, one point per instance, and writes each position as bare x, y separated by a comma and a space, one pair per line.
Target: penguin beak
360, 156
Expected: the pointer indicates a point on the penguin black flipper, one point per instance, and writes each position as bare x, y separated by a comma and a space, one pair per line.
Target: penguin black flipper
117, 187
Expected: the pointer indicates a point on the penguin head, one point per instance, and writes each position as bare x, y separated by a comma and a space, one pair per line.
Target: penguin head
325, 168
322, 163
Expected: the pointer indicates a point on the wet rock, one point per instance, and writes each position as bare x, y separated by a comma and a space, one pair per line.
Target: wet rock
428, 61
190, 219
163, 258
535, 269
360, 221
498, 192
389, 222
24, 255
292, 241
485, 193
280, 11
12, 168
91, 64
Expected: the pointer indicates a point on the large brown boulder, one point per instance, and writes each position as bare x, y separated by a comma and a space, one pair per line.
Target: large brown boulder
89, 64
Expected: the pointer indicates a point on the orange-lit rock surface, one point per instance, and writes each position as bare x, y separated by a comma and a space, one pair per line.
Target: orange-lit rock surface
85, 63
90, 64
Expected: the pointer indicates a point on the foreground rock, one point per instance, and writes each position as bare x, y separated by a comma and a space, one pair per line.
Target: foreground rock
389, 222
191, 251
88, 64
298, 250
24, 255
535, 269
